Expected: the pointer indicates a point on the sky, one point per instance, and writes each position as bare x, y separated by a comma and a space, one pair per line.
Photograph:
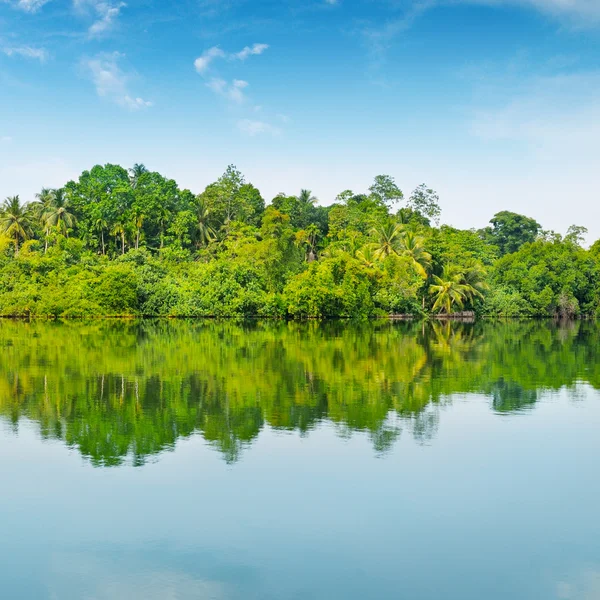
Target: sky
493, 103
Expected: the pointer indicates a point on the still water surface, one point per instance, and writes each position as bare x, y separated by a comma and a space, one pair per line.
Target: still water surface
206, 460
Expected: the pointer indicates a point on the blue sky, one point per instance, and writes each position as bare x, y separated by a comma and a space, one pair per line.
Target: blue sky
494, 103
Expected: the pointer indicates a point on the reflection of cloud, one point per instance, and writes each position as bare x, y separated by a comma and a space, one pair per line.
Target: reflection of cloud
123, 576
583, 586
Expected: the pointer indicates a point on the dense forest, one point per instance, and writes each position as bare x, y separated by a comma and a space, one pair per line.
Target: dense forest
120, 242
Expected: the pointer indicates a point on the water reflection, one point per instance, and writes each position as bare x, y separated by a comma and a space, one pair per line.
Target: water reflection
127, 390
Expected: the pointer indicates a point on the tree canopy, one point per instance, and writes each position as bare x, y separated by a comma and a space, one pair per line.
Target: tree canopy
131, 242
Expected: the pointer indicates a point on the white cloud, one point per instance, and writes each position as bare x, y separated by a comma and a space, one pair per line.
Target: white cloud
252, 127
5, 139
233, 91
580, 9
40, 54
107, 14
30, 6
555, 116
111, 82
255, 49
203, 62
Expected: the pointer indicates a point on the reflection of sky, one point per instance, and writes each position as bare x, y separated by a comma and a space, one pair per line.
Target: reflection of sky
492, 507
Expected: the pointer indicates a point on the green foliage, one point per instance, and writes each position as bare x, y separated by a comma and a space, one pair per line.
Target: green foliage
119, 242
125, 390
510, 231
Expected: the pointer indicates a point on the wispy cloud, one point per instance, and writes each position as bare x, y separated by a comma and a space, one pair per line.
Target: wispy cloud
557, 117
255, 49
105, 14
30, 6
233, 91
5, 139
40, 54
203, 62
111, 82
251, 127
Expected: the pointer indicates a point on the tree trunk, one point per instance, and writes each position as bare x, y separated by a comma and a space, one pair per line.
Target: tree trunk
123, 242
102, 237
137, 239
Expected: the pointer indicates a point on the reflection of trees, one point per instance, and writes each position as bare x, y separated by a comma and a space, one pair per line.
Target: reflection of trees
125, 388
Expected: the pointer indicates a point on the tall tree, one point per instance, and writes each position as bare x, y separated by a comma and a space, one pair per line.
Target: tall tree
59, 213
385, 190
16, 220
509, 231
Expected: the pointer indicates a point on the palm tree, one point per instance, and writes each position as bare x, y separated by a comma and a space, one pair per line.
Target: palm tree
44, 201
59, 214
135, 173
411, 246
16, 220
206, 234
366, 255
306, 198
138, 222
388, 238
100, 224
452, 289
474, 276
118, 230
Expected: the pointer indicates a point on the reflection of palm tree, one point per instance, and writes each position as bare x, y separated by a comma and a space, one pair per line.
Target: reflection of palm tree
15, 220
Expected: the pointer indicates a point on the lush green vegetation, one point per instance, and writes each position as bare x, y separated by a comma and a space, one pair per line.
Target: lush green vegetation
132, 388
126, 243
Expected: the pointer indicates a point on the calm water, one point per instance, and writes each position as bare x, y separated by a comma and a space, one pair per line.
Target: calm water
187, 460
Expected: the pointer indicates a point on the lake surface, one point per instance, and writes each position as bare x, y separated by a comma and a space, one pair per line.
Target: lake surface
207, 460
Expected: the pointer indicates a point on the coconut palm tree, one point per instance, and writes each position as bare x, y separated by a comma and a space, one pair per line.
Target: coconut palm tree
205, 233
366, 255
100, 225
135, 173
118, 230
451, 290
59, 213
474, 276
16, 220
40, 208
388, 238
305, 198
138, 223
411, 246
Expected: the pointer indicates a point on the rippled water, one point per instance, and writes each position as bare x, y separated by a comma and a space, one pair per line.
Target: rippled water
176, 460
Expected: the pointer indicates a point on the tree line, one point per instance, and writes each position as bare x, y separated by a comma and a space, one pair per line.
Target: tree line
130, 242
